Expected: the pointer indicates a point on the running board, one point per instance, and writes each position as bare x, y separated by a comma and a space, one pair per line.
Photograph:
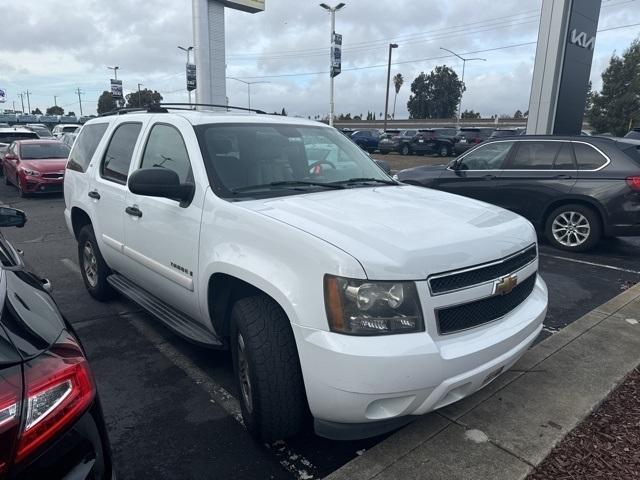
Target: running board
180, 323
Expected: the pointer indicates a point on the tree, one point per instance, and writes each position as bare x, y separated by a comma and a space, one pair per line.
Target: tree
435, 95
526, 114
144, 98
37, 111
518, 115
55, 110
284, 112
106, 103
397, 83
617, 107
71, 114
469, 114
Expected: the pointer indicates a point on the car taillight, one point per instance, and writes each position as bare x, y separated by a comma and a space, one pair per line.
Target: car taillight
58, 389
10, 406
634, 182
477, 140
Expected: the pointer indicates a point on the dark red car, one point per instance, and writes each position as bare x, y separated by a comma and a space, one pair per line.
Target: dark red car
35, 166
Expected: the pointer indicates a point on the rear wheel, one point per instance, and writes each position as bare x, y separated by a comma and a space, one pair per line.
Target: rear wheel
444, 151
573, 227
93, 268
265, 361
405, 150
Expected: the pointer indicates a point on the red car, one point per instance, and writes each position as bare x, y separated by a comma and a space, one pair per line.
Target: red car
35, 166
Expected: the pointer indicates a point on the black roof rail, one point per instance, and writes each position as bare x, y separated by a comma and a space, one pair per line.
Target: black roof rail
227, 107
165, 107
155, 108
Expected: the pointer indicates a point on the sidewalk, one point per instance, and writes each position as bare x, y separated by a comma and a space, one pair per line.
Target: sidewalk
509, 427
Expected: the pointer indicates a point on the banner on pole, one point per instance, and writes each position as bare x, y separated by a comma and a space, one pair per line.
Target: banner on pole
116, 89
191, 77
3, 95
336, 55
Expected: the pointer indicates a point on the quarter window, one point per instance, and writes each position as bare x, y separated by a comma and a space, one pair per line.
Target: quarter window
588, 158
166, 149
85, 146
486, 157
535, 155
117, 159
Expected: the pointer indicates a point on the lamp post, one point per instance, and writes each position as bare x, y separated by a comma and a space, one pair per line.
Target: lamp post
115, 71
464, 63
188, 50
386, 98
333, 11
139, 97
248, 84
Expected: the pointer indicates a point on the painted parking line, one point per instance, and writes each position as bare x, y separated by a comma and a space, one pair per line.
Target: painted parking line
300, 467
593, 264
71, 265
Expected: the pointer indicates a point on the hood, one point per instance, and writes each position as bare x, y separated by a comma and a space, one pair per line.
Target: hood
403, 232
52, 165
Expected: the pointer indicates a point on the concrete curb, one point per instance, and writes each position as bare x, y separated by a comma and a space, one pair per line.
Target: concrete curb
509, 427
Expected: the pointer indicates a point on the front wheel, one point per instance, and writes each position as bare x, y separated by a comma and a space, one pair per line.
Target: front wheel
267, 369
574, 228
93, 268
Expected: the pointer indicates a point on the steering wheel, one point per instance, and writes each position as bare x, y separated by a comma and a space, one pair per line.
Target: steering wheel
314, 165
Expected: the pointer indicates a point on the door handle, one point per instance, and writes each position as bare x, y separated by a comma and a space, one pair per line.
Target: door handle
563, 177
133, 211
489, 177
94, 194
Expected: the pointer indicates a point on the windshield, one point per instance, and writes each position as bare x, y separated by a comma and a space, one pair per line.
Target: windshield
258, 160
42, 131
8, 137
38, 151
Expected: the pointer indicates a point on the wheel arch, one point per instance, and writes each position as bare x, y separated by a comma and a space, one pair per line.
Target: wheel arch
584, 201
79, 218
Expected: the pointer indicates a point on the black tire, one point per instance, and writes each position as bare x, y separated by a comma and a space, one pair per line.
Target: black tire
277, 406
6, 178
405, 150
576, 217
444, 151
21, 192
97, 286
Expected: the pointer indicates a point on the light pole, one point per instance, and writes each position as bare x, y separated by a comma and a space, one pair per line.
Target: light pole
386, 98
333, 11
188, 50
248, 84
115, 71
139, 97
464, 63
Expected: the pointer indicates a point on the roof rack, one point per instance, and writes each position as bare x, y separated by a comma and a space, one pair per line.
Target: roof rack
165, 107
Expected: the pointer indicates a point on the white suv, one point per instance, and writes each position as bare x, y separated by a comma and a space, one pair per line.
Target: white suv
338, 290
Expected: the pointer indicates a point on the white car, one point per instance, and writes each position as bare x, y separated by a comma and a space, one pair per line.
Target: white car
63, 128
338, 290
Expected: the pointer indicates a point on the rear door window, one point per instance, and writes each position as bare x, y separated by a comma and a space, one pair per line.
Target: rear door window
535, 155
85, 146
117, 159
587, 157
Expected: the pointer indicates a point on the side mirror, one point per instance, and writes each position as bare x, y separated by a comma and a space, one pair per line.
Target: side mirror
11, 217
160, 182
384, 165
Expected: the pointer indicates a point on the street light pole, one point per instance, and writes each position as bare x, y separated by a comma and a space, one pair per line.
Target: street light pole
248, 84
115, 71
386, 98
139, 97
332, 11
188, 50
464, 63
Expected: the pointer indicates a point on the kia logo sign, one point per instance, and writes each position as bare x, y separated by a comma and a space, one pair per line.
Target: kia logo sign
581, 39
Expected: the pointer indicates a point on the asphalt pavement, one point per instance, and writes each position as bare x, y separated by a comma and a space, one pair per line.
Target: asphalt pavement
171, 407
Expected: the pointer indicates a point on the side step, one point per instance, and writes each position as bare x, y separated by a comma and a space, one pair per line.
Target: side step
180, 323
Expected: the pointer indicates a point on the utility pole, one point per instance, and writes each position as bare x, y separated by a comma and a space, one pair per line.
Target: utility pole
188, 50
464, 63
28, 93
248, 84
386, 98
14, 106
79, 99
22, 101
332, 11
139, 97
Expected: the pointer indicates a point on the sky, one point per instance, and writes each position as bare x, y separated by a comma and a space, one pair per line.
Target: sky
55, 47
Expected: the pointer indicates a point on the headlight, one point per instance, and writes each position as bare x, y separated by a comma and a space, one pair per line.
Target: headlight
363, 307
31, 173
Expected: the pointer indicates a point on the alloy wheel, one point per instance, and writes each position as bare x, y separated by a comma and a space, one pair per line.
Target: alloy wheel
90, 264
244, 374
571, 229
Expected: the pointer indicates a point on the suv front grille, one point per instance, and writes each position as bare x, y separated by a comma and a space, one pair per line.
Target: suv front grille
473, 314
448, 282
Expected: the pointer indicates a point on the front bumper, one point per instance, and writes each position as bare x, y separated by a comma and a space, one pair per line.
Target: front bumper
356, 381
41, 185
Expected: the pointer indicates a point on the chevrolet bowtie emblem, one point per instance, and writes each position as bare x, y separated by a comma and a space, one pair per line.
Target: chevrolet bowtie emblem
505, 285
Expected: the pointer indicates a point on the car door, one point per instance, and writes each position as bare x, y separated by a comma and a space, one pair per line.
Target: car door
538, 172
108, 191
476, 173
162, 235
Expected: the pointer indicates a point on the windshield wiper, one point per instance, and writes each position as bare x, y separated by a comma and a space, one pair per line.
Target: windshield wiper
366, 179
287, 183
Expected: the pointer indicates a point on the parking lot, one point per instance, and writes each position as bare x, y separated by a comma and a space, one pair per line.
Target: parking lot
171, 407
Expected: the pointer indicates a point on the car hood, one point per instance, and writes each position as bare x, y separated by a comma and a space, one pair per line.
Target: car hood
51, 165
403, 232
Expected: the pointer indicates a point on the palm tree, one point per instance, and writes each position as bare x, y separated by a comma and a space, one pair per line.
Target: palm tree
397, 81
